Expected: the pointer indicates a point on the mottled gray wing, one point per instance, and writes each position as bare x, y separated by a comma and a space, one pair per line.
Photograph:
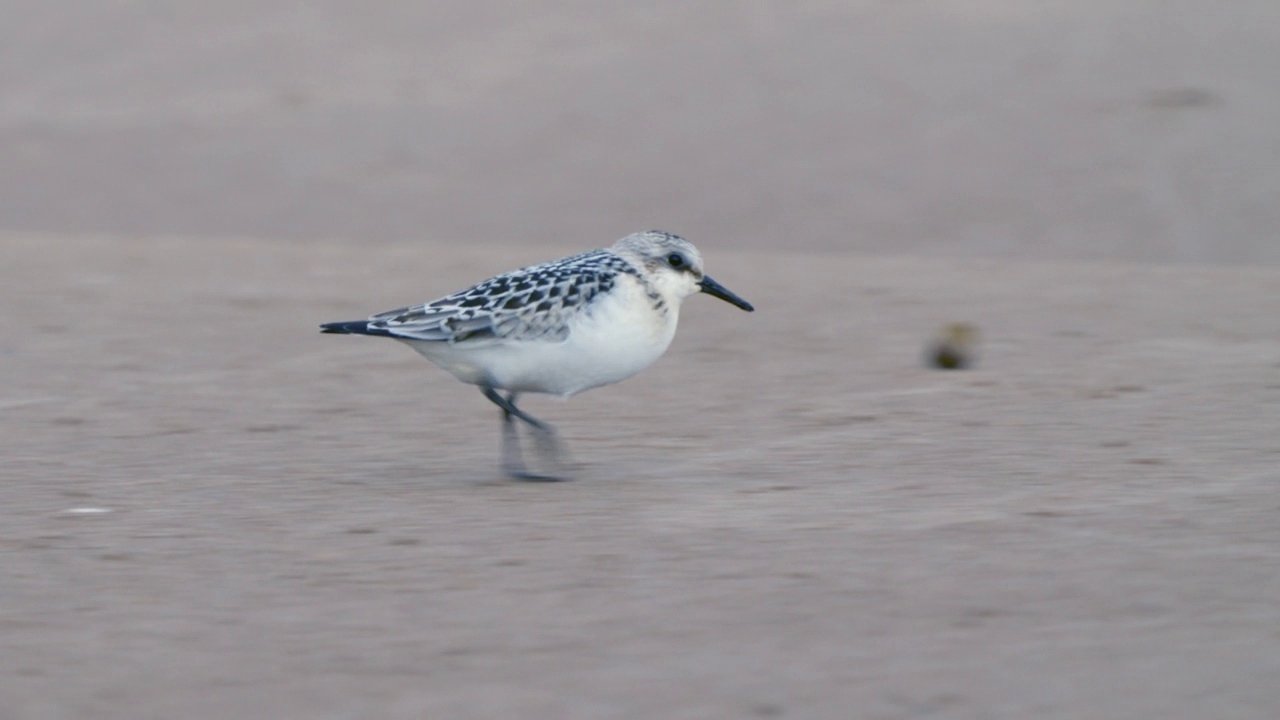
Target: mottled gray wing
532, 303
423, 322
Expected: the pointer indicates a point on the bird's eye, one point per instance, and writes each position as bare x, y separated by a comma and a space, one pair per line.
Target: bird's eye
675, 260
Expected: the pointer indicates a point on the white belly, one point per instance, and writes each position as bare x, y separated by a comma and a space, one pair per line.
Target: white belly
620, 336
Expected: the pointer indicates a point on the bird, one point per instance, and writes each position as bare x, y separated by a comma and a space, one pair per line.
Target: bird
558, 328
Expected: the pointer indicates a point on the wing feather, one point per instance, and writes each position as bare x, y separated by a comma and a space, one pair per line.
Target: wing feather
531, 303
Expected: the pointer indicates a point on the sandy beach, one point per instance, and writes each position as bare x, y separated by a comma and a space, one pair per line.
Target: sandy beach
789, 515
211, 511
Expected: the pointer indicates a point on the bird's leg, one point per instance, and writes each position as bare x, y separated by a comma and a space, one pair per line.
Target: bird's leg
512, 463
548, 444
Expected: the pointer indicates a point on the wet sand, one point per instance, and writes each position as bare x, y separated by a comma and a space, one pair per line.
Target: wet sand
210, 510
1065, 130
787, 516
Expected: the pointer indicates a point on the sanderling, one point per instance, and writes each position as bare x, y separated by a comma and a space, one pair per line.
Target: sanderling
559, 328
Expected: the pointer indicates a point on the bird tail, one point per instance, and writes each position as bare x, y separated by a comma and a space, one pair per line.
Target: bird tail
352, 327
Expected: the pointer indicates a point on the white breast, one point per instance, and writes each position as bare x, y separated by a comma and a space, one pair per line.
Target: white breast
616, 336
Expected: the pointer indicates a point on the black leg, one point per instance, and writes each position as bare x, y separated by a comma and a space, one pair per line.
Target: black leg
548, 445
512, 464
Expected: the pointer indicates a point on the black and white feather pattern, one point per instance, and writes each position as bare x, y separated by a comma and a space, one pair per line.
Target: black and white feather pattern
533, 303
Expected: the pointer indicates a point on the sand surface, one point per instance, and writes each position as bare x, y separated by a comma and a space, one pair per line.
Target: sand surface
787, 516
208, 510
1066, 129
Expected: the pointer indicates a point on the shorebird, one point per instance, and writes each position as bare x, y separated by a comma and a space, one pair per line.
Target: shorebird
559, 328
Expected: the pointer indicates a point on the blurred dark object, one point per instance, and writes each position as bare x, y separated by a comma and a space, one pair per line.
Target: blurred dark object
954, 348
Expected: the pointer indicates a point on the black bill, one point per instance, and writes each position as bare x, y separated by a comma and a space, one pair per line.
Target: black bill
715, 289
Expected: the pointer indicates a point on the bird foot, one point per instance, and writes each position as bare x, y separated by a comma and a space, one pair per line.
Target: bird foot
551, 455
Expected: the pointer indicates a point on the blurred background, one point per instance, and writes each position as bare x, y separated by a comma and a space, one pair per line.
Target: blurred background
1060, 129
